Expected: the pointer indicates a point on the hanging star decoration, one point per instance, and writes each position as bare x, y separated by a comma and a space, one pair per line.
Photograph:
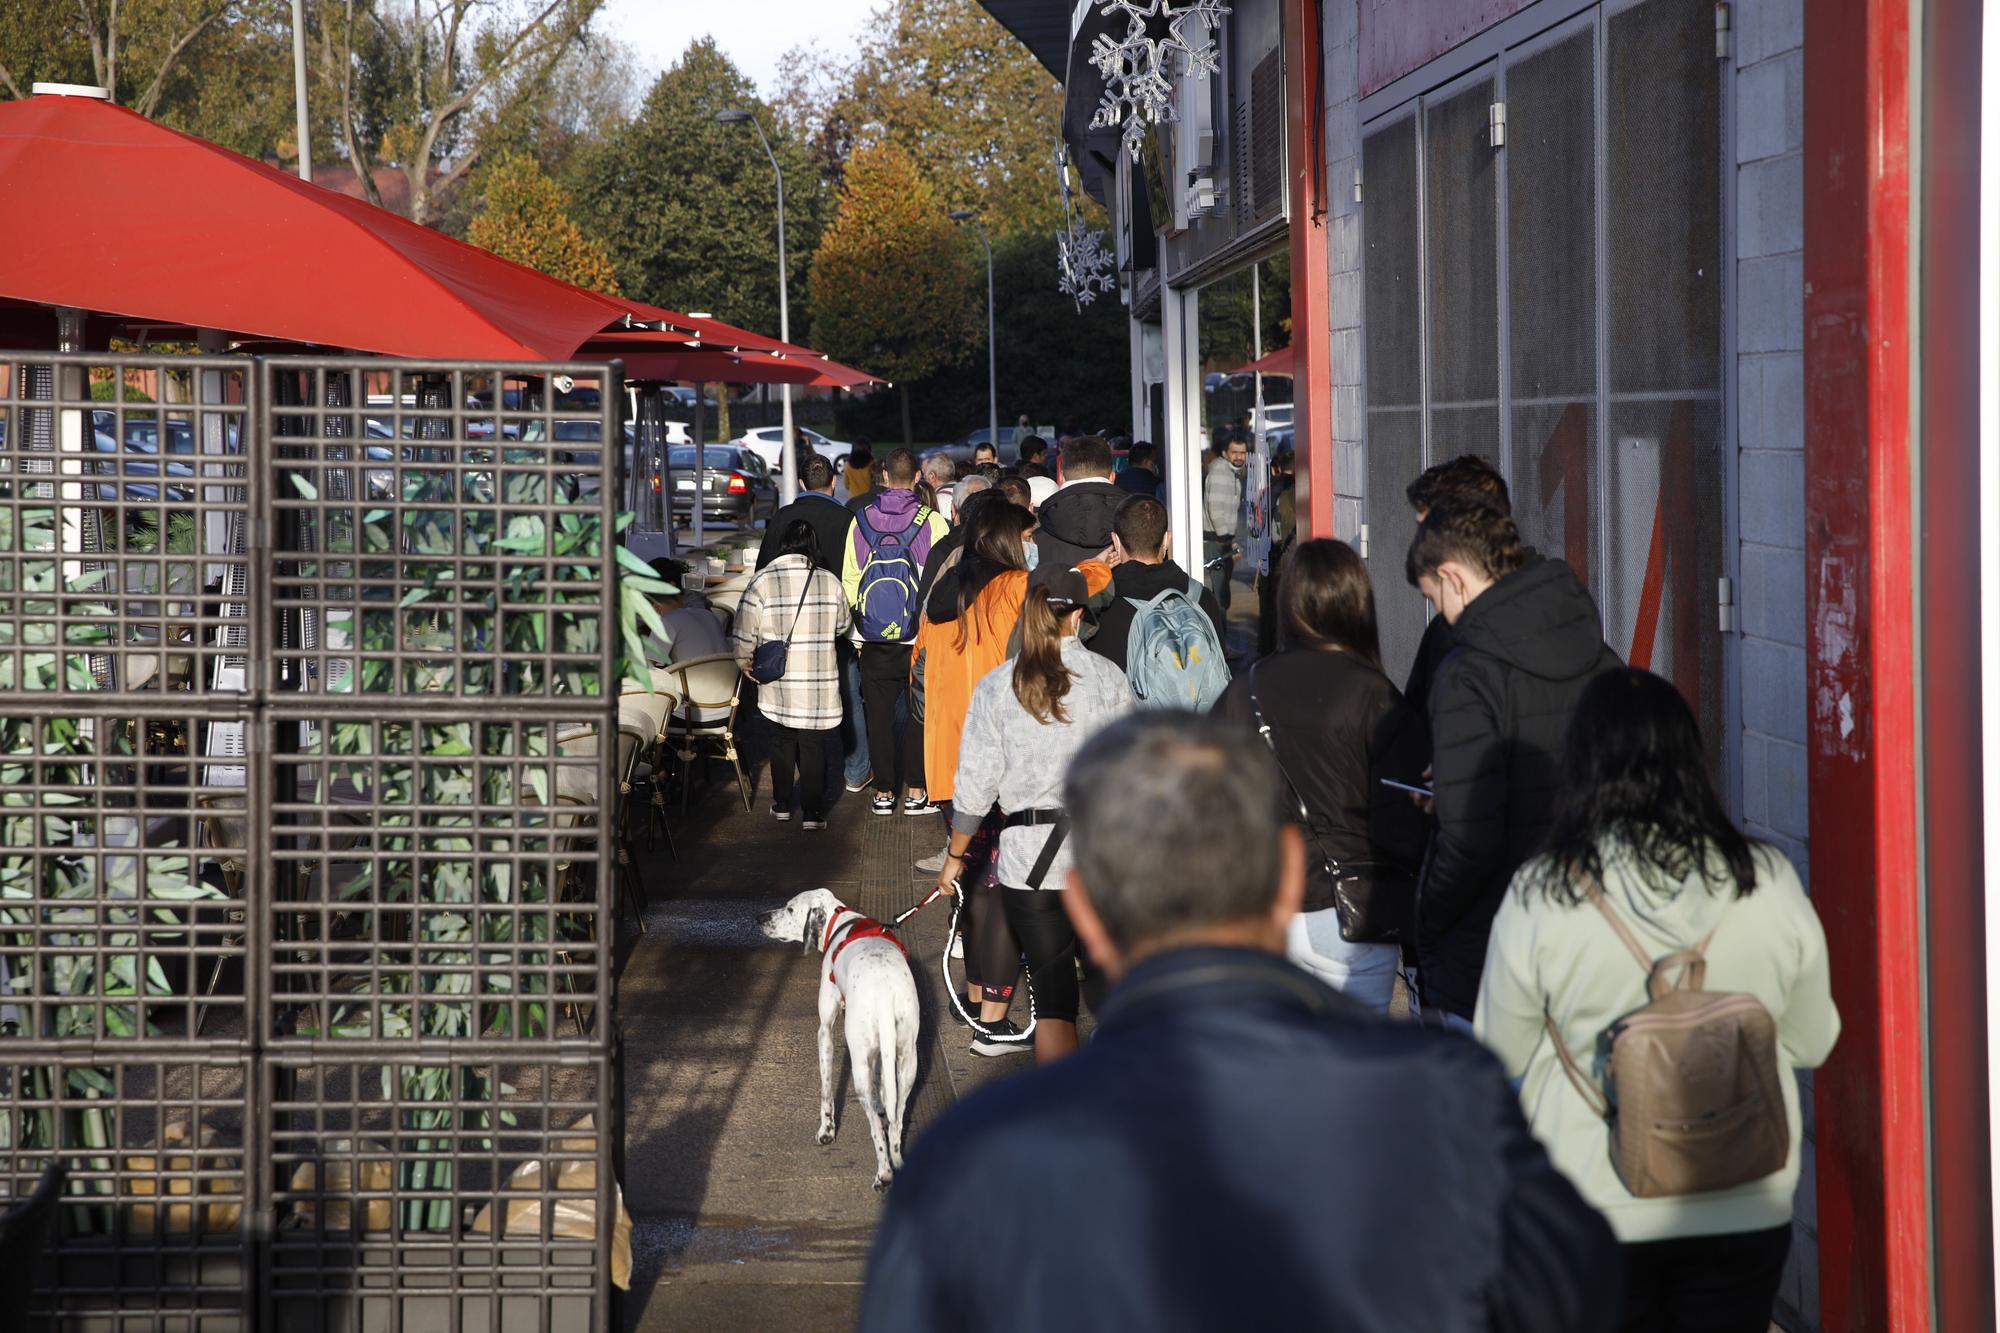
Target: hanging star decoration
1085, 266
1160, 42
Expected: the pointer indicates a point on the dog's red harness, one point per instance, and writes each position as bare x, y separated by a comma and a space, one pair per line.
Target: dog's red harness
863, 928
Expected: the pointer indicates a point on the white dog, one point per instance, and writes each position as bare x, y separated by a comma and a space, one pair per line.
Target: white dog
868, 974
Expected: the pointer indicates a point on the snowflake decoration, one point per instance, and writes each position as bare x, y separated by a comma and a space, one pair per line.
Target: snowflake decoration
1139, 68
1085, 263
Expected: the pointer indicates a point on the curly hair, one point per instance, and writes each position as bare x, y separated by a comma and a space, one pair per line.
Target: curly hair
1466, 527
1467, 472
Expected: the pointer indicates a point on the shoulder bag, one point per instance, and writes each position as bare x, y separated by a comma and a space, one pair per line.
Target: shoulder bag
768, 661
1376, 901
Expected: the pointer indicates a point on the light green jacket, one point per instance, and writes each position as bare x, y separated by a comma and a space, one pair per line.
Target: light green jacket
1563, 960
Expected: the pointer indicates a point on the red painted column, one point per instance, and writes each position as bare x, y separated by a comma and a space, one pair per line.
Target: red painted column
1312, 364
1874, 1249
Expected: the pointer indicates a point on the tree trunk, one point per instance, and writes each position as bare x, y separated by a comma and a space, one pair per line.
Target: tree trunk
723, 435
904, 390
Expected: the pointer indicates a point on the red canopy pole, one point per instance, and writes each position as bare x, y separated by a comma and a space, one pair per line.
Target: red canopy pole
1312, 364
1870, 1134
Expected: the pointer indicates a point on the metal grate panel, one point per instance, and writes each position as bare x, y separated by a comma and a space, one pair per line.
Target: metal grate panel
124, 870
430, 542
1392, 328
463, 853
157, 1220
1664, 426
1552, 298
123, 501
438, 1192
1462, 329
305, 791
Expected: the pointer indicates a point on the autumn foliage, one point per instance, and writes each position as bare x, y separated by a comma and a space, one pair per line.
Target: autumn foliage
893, 275
526, 219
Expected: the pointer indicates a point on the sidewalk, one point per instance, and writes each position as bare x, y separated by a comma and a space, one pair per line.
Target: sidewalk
741, 1220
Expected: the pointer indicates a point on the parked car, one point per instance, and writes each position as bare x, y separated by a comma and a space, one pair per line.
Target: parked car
768, 443
1275, 415
736, 485
960, 449
684, 394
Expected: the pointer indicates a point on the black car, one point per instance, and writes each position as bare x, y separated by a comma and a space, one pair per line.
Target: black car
735, 485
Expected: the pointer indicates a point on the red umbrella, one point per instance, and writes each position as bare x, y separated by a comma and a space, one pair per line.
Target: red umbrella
1278, 362
114, 213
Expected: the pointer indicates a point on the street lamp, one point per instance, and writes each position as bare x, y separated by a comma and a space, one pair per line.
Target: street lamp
992, 381
788, 475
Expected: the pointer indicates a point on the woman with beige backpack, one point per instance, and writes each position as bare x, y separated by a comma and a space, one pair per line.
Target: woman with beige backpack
1653, 980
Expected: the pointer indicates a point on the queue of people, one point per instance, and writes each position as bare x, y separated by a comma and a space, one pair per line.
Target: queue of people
1350, 948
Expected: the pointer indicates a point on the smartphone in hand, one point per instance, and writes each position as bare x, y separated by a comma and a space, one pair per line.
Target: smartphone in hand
1404, 786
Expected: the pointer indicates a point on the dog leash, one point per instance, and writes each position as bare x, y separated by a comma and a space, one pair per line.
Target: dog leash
951, 988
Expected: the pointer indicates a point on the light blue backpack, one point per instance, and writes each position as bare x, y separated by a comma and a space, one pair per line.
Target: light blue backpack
1172, 656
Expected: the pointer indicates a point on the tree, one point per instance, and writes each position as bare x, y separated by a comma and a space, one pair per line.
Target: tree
947, 84
525, 218
220, 69
429, 90
1055, 364
892, 275
687, 208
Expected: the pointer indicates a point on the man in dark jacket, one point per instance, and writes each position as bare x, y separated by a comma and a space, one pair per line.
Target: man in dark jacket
1240, 1147
1144, 571
1467, 472
1074, 524
1140, 477
1526, 640
831, 521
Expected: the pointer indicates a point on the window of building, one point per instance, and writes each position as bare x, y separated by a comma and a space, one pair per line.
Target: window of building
1552, 302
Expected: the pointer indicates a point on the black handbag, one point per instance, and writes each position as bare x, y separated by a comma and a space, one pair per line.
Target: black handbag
1375, 899
769, 659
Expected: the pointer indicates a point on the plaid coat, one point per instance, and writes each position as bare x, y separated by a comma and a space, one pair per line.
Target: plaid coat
807, 696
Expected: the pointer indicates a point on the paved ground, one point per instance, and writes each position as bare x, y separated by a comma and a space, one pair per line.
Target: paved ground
741, 1220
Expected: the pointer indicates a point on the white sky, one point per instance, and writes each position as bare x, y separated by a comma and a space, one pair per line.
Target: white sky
753, 33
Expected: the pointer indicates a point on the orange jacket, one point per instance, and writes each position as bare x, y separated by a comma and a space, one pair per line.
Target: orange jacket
950, 672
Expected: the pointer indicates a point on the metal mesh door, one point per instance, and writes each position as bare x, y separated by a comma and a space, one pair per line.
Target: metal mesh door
1461, 262
439, 769
1663, 243
1552, 297
305, 785
1392, 326
125, 862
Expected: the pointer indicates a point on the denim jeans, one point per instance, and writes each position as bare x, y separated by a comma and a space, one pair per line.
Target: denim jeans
1364, 973
853, 731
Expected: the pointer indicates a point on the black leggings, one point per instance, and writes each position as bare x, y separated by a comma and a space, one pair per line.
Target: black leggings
1050, 943
992, 957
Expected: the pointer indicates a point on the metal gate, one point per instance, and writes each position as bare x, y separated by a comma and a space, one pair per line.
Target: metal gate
308, 671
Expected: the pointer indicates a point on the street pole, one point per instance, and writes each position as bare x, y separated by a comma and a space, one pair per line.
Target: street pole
788, 475
992, 376
299, 88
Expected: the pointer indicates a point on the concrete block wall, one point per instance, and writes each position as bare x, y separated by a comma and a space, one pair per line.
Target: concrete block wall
1770, 436
1343, 222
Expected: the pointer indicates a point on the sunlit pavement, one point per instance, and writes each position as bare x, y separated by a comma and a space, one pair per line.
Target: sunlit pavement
741, 1220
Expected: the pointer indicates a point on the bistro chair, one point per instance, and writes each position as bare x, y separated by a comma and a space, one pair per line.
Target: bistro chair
704, 726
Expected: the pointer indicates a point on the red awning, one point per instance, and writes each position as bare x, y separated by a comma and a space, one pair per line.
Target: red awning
113, 213
1277, 362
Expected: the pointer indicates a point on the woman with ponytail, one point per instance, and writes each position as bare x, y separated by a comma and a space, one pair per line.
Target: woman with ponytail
1027, 718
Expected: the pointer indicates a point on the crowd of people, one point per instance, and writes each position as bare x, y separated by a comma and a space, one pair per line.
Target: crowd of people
1480, 880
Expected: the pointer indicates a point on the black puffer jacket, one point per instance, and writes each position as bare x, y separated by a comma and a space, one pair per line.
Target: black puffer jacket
1521, 655
1074, 524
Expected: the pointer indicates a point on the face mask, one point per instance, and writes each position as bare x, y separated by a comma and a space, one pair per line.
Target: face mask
1034, 554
